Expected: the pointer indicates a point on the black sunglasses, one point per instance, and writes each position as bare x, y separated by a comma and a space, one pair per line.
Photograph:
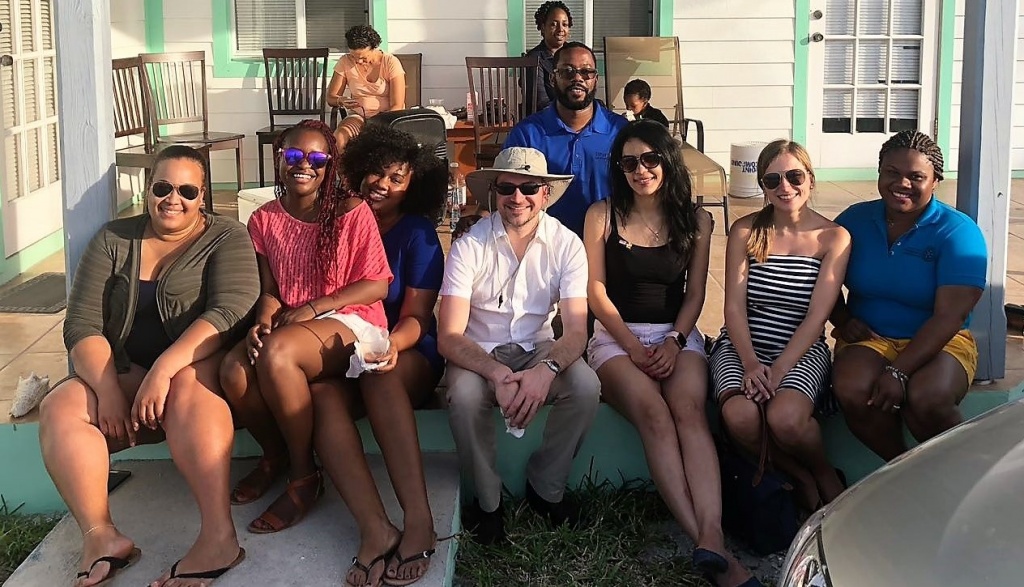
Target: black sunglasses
795, 177
162, 189
527, 189
293, 156
569, 73
649, 160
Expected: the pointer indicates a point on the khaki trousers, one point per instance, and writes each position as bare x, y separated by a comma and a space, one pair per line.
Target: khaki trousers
574, 397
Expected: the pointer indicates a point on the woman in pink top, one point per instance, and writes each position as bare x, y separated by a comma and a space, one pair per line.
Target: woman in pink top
323, 274
375, 79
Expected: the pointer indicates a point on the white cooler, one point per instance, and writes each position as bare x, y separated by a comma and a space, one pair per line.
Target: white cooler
742, 170
250, 199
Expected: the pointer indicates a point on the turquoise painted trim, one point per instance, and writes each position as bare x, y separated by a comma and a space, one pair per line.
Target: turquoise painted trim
1015, 174
516, 27
612, 451
21, 261
224, 62
664, 21
801, 56
944, 100
153, 11
379, 21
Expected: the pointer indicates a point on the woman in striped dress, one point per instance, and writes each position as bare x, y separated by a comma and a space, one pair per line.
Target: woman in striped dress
784, 267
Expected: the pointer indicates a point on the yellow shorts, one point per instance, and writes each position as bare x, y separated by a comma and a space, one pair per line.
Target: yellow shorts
961, 347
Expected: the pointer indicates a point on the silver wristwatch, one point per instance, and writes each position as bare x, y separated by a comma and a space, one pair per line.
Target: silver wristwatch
553, 365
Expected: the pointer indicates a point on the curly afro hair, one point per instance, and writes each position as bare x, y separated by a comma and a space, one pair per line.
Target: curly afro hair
377, 147
362, 36
541, 16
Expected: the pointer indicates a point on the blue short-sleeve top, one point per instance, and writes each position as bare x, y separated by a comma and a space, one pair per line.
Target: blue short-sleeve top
417, 261
892, 288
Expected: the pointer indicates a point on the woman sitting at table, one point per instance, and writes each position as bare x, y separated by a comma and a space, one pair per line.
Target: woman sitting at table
375, 79
772, 354
405, 187
155, 300
648, 248
904, 353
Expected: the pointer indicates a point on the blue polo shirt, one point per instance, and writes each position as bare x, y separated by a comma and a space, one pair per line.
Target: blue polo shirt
892, 289
584, 154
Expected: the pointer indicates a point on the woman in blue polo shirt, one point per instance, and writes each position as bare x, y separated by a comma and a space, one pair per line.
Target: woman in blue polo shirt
903, 351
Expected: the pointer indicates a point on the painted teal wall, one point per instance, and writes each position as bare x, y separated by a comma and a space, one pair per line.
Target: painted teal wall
612, 451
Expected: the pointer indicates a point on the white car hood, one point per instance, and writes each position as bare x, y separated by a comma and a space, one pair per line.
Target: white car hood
948, 513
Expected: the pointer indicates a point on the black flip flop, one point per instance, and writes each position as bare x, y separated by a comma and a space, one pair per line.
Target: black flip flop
116, 563
214, 574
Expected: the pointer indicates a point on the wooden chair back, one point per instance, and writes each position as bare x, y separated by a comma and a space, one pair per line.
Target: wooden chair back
412, 63
496, 92
296, 82
176, 87
131, 114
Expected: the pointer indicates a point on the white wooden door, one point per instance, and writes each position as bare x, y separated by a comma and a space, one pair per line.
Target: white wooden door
872, 73
30, 188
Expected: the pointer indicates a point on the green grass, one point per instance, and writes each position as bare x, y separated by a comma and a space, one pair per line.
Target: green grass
19, 534
620, 545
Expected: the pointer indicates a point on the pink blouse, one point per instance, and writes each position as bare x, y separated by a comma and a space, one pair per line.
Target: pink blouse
289, 245
373, 93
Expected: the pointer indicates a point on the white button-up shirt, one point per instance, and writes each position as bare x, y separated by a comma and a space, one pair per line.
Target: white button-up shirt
513, 301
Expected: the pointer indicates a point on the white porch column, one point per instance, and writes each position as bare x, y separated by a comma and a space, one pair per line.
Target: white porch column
983, 183
84, 91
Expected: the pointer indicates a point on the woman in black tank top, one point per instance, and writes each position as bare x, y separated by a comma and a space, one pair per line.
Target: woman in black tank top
648, 247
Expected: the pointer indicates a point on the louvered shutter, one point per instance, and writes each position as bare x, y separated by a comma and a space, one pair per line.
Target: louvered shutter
327, 21
614, 18
265, 23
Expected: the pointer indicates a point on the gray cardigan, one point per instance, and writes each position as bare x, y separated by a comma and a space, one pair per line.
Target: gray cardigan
215, 279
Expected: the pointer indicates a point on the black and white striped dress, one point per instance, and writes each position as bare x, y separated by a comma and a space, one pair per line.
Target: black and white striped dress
778, 296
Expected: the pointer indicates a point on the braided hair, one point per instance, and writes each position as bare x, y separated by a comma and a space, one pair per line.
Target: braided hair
541, 16
327, 195
915, 141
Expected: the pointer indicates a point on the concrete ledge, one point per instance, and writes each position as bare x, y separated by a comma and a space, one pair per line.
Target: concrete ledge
612, 450
155, 508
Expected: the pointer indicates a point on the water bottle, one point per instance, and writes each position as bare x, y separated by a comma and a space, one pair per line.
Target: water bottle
456, 194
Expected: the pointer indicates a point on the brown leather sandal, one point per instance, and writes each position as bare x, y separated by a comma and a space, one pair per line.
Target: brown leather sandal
256, 484
272, 520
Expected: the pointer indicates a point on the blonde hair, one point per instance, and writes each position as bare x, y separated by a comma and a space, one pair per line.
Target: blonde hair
761, 231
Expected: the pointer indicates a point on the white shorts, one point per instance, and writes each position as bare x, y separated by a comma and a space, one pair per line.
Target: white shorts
363, 330
602, 345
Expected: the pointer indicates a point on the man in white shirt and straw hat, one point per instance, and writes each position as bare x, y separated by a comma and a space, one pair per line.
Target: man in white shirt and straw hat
504, 279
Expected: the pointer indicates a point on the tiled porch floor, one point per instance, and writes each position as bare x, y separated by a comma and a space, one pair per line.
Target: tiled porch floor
33, 342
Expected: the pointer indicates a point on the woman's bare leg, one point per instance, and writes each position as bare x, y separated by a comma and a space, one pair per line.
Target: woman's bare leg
389, 399
200, 436
336, 437
77, 457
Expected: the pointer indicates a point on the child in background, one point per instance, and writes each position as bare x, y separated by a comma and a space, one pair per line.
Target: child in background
637, 95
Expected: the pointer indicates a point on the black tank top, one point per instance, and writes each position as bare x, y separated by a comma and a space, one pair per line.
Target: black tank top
646, 284
148, 339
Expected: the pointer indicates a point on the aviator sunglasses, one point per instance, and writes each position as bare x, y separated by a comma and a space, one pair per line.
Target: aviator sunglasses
795, 177
527, 189
649, 160
162, 189
293, 156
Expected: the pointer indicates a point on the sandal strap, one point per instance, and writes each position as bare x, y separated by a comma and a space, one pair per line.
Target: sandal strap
299, 503
212, 574
384, 556
402, 561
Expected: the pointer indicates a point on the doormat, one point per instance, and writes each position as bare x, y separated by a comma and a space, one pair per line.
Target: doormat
43, 294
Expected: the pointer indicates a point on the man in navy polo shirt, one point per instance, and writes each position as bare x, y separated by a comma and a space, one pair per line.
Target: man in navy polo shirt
575, 133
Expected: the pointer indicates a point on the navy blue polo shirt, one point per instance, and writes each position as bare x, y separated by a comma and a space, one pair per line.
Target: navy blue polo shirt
584, 154
892, 288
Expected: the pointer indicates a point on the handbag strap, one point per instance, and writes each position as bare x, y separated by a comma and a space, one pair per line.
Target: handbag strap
763, 459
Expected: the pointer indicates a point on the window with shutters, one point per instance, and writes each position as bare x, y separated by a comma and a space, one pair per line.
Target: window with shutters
593, 20
286, 24
872, 65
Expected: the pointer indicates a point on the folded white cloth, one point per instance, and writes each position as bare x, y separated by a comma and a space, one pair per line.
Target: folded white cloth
509, 428
369, 339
